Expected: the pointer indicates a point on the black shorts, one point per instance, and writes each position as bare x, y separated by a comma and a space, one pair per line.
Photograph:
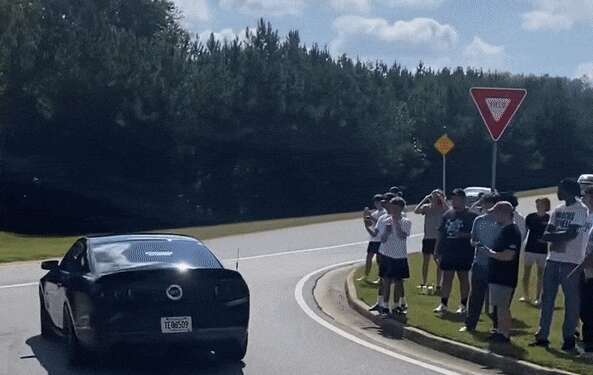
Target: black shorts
397, 269
455, 264
428, 245
373, 247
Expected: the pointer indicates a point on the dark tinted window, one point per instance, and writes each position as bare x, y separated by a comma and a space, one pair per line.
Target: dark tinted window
75, 259
109, 257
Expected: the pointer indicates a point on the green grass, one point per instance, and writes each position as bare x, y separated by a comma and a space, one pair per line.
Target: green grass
525, 322
18, 247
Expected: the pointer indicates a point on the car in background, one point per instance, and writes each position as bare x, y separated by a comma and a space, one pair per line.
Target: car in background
145, 289
473, 193
585, 181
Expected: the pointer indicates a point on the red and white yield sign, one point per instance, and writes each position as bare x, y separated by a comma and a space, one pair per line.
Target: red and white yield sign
497, 107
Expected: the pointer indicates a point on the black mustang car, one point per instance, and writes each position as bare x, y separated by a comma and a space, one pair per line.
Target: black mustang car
144, 289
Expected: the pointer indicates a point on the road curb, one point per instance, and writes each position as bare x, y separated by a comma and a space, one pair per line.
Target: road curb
480, 356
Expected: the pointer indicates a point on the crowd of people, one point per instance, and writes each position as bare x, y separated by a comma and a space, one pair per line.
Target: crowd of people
482, 245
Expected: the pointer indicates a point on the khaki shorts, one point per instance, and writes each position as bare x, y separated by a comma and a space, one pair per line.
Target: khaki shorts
500, 296
535, 258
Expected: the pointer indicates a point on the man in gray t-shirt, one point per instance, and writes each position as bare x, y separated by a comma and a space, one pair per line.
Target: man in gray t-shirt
485, 231
433, 206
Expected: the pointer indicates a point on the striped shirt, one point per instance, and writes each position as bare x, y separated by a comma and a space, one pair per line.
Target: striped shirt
485, 230
376, 214
394, 246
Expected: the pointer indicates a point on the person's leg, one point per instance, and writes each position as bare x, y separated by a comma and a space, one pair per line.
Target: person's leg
587, 313
571, 289
526, 278
386, 291
478, 288
398, 292
446, 287
504, 321
463, 286
368, 264
540, 282
550, 290
439, 273
425, 263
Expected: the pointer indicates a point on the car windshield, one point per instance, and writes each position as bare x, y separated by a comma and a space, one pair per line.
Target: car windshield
126, 255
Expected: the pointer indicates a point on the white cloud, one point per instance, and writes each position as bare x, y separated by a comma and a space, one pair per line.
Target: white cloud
414, 4
585, 72
351, 6
265, 7
194, 12
416, 33
480, 54
558, 15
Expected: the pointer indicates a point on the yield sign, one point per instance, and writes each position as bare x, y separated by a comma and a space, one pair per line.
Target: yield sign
497, 107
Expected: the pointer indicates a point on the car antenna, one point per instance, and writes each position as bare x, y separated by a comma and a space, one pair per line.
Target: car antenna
237, 261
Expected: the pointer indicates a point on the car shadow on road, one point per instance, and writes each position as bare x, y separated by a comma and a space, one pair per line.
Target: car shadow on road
51, 354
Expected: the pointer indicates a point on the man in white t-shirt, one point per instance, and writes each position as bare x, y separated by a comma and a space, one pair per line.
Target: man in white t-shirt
394, 254
566, 232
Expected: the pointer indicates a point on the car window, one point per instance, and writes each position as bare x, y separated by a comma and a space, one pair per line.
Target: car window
75, 259
116, 256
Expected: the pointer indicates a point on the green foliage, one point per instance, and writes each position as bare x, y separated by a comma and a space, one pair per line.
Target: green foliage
110, 107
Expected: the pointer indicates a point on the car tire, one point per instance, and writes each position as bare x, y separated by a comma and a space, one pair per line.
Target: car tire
77, 355
47, 327
233, 351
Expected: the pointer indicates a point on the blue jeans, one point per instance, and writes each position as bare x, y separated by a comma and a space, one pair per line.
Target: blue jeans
478, 293
554, 276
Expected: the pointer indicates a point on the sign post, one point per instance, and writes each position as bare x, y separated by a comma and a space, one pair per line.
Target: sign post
444, 145
497, 107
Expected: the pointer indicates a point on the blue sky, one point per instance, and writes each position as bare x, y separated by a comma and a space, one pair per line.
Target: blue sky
552, 37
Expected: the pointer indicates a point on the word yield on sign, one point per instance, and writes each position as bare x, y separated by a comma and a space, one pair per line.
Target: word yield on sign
497, 106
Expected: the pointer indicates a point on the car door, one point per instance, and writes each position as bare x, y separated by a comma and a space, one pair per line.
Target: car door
70, 268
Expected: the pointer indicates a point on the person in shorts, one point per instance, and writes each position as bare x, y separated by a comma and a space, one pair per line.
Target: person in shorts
454, 250
394, 254
503, 269
371, 218
432, 207
377, 229
536, 249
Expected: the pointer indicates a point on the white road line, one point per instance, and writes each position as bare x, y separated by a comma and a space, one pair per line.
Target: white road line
277, 254
300, 299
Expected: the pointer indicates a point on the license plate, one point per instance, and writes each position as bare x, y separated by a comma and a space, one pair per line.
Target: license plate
176, 324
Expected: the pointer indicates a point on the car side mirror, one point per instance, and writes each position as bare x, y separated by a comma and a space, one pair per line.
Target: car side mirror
50, 265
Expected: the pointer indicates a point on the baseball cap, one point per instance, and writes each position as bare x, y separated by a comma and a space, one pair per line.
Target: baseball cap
502, 206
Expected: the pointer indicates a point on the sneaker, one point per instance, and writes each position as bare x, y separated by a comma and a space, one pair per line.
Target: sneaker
424, 290
524, 299
540, 342
569, 345
403, 309
441, 309
383, 311
466, 329
421, 286
461, 310
499, 338
376, 282
375, 307
430, 290
363, 277
536, 303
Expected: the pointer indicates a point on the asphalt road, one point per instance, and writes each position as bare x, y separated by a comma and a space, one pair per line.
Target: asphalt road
283, 338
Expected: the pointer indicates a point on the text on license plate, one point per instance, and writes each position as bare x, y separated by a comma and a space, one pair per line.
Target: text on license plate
176, 324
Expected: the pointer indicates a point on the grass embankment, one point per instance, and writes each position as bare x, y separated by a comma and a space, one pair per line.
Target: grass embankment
17, 247
525, 322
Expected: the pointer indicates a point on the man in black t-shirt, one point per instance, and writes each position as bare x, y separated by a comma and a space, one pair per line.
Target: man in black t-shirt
503, 269
536, 248
454, 250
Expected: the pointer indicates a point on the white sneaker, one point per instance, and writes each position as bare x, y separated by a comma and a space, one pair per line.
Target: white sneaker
461, 310
441, 309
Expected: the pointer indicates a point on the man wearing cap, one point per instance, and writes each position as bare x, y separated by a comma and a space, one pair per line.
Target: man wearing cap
371, 218
454, 250
485, 231
566, 233
377, 230
503, 269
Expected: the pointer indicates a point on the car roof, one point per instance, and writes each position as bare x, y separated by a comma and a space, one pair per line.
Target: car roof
476, 188
112, 238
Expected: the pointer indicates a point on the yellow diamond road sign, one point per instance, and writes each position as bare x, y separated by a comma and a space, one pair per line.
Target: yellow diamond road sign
444, 145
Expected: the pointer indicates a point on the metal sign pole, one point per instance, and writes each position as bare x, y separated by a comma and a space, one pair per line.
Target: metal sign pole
494, 157
444, 174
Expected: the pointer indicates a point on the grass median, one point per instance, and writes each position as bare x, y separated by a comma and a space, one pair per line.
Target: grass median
19, 247
525, 322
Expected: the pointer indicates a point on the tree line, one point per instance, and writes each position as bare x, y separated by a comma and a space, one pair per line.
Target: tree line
113, 117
